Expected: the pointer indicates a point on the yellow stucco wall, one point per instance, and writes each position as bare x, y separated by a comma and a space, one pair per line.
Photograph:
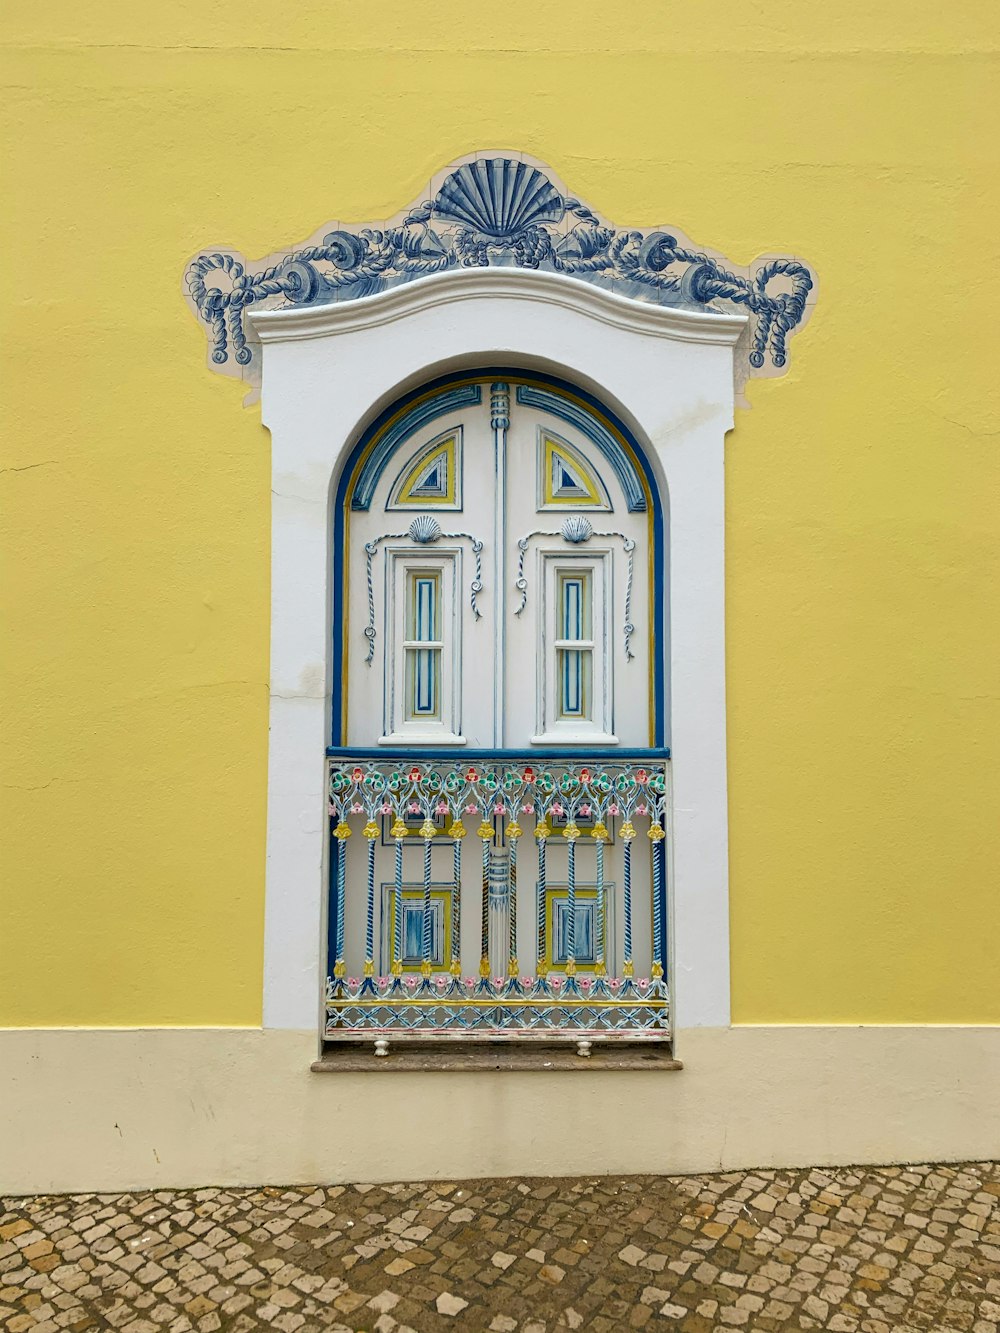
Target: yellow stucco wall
862, 488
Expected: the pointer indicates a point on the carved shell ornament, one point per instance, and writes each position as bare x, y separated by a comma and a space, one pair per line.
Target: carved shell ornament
424, 529
497, 210
499, 198
577, 529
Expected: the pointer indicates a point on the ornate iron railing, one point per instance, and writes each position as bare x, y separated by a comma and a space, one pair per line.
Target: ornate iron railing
594, 946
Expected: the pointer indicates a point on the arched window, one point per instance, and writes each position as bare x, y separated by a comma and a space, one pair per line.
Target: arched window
498, 724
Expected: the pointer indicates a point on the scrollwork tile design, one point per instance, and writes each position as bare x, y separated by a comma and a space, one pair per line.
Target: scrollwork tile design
498, 211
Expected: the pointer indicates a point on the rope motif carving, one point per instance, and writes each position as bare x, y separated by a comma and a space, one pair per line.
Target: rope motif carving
490, 212
422, 530
578, 530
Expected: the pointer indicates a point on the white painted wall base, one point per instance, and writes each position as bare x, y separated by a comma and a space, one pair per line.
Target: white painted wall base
126, 1109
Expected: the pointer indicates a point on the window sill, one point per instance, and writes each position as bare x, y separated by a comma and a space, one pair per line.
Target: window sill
424, 1058
578, 739
418, 739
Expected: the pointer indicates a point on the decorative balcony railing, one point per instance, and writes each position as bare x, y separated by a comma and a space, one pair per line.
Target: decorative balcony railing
554, 928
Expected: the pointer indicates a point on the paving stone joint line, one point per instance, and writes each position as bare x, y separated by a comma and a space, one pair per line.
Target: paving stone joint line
894, 1249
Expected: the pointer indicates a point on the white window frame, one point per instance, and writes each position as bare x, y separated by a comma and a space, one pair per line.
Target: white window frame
327, 373
552, 729
400, 561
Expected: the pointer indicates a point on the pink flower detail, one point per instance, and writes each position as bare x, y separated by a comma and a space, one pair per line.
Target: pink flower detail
526, 981
357, 808
585, 983
332, 809
613, 809
558, 809
471, 809
386, 808
353, 981
642, 983
413, 808
585, 811
640, 809
527, 809
356, 775
498, 809
441, 808
409, 982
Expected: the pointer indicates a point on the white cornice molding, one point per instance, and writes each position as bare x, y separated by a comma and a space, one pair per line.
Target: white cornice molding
513, 284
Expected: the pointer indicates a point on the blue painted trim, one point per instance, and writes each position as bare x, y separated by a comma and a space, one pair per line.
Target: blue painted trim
464, 395
582, 754
601, 438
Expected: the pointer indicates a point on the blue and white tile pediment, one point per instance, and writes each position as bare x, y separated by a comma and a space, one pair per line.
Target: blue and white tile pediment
498, 211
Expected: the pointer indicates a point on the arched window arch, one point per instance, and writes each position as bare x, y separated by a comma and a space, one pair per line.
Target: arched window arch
426, 428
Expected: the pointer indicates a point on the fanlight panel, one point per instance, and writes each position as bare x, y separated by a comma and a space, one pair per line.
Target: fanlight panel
565, 479
432, 477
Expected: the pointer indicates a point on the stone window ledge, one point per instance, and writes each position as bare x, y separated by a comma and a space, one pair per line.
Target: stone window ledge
422, 1058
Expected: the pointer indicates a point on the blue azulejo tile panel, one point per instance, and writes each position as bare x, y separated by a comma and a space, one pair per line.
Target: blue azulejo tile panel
499, 211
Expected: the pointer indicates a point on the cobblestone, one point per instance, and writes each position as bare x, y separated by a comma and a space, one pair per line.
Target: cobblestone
874, 1250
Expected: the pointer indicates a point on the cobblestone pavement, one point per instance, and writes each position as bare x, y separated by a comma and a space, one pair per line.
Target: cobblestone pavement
868, 1249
